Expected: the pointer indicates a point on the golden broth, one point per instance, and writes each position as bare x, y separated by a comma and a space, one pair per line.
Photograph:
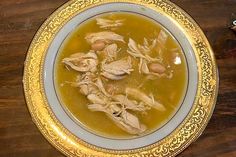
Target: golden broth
169, 92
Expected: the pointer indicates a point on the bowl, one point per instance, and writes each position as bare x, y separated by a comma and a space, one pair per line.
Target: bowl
60, 127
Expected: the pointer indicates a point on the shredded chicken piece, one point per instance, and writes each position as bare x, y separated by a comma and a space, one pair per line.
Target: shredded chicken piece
100, 86
106, 36
111, 52
138, 95
117, 69
111, 88
139, 51
85, 83
107, 23
162, 37
112, 76
82, 62
147, 47
134, 47
123, 119
88, 85
129, 123
130, 104
98, 45
168, 75
143, 67
98, 99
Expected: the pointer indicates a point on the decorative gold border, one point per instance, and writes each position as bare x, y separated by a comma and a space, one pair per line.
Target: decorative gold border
70, 145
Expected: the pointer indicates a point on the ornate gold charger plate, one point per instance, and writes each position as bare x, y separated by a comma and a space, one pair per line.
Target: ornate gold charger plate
185, 127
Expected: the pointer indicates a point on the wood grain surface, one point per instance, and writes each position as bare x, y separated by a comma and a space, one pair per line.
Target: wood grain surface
19, 21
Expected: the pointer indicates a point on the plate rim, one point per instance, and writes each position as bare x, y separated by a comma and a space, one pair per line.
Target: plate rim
189, 130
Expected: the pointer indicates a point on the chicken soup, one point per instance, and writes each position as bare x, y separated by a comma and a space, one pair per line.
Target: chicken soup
120, 75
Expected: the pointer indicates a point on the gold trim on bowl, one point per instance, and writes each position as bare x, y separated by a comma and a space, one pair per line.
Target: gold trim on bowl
188, 131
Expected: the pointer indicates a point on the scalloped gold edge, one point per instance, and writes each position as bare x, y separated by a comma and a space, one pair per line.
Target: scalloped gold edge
189, 130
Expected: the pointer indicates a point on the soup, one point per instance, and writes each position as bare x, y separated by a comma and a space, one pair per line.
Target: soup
120, 75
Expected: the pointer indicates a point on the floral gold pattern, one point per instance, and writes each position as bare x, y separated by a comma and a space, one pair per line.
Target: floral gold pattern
66, 142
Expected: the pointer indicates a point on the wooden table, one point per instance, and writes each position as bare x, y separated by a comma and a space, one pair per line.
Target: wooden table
19, 21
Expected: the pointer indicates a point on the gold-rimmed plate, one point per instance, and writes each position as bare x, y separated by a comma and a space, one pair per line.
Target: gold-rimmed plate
66, 136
